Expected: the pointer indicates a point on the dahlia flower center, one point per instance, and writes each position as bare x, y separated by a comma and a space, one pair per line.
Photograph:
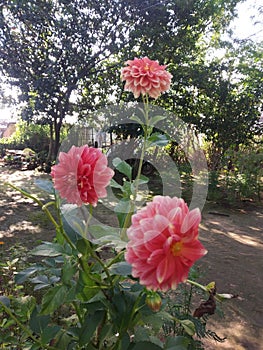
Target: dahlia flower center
176, 248
80, 184
83, 182
148, 68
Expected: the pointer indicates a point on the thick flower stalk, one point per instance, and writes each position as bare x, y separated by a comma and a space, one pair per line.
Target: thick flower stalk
82, 175
163, 243
145, 76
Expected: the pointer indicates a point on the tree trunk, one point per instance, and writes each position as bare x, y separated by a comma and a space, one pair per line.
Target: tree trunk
51, 143
57, 128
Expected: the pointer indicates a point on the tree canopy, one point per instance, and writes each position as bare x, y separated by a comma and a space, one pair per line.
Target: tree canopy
65, 57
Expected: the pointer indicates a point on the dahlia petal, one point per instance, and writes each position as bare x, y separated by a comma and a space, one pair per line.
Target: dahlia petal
162, 271
192, 219
193, 251
175, 215
144, 76
74, 175
163, 242
156, 257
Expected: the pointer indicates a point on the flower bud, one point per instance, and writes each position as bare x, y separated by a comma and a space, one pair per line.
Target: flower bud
154, 301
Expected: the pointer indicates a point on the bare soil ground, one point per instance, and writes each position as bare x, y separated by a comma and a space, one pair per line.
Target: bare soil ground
233, 238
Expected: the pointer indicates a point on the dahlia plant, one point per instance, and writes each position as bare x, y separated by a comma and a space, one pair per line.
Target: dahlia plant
101, 287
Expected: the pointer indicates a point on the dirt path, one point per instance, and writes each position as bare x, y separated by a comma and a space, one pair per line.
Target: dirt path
234, 240
235, 262
21, 220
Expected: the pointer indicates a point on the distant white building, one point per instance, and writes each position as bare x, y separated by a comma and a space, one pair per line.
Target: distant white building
7, 129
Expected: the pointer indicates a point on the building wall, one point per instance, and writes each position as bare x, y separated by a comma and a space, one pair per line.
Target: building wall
10, 129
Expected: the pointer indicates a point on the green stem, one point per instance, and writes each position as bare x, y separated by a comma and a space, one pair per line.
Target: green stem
78, 312
83, 264
196, 284
49, 215
85, 231
115, 259
127, 220
92, 278
43, 206
66, 237
97, 258
58, 226
24, 193
188, 303
145, 136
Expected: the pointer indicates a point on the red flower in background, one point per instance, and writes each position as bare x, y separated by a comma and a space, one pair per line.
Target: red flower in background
163, 243
144, 76
82, 175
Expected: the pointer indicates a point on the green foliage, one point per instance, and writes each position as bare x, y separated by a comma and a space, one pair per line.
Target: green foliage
240, 177
63, 53
30, 135
81, 295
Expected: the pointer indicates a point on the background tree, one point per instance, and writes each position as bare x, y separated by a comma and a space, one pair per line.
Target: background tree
65, 56
178, 33
50, 48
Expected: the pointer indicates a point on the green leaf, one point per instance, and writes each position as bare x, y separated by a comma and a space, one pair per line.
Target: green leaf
71, 295
210, 286
157, 319
122, 167
22, 276
157, 139
188, 326
35, 347
75, 218
106, 235
7, 323
111, 241
177, 343
37, 322
40, 279
157, 118
125, 342
144, 334
90, 347
45, 185
68, 272
141, 181
115, 184
63, 339
86, 287
100, 231
48, 249
141, 334
137, 119
145, 345
82, 246
53, 299
49, 333
124, 206
4, 300
122, 209
89, 327
121, 268
105, 332
43, 281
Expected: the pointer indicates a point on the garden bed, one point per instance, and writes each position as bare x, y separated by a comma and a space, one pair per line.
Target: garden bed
234, 261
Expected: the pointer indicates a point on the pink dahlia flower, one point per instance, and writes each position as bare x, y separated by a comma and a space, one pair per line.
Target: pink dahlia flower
82, 174
163, 243
144, 76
